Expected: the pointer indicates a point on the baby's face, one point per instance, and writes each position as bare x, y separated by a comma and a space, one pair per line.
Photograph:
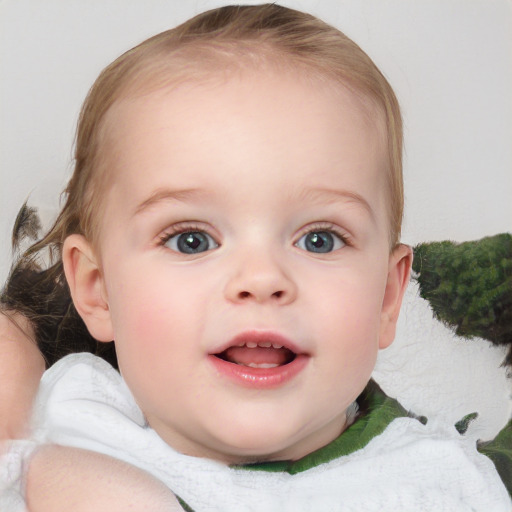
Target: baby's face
245, 255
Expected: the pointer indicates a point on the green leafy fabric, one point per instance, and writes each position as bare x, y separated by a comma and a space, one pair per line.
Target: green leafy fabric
463, 424
469, 286
499, 450
184, 506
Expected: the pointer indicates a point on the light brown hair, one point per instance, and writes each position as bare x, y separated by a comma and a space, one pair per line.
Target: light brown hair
220, 36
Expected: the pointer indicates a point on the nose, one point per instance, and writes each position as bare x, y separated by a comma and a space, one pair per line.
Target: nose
260, 279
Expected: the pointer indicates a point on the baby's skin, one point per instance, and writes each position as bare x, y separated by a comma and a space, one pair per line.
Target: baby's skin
84, 481
20, 372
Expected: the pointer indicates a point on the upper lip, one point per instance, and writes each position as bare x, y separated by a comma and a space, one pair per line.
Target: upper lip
259, 337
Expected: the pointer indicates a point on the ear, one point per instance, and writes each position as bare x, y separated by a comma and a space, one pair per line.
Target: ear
399, 272
85, 280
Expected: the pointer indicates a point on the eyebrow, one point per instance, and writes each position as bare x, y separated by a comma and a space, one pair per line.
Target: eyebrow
314, 194
166, 194
323, 194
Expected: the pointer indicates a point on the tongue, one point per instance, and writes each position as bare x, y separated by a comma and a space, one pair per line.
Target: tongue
258, 355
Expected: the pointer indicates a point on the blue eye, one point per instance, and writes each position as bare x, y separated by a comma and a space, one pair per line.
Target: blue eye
191, 242
320, 242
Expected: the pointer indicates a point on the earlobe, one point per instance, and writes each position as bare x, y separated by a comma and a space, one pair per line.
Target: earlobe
399, 273
85, 281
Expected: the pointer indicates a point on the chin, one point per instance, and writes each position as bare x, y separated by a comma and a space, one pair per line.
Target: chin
260, 445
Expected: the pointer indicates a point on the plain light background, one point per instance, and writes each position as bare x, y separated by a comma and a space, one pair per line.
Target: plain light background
450, 63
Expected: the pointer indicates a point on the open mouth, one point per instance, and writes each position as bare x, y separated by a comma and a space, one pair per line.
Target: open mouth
259, 360
258, 354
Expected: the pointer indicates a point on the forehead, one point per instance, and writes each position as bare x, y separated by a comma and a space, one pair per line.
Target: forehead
217, 130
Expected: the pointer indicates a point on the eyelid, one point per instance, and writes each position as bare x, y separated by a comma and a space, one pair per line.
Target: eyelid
345, 237
184, 227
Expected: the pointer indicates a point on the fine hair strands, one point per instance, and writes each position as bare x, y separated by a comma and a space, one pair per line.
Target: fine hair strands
217, 41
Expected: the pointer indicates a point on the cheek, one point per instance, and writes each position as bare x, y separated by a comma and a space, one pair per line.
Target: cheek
151, 330
348, 308
154, 308
349, 297
140, 308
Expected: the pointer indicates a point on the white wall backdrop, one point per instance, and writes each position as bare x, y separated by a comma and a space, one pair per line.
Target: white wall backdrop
450, 62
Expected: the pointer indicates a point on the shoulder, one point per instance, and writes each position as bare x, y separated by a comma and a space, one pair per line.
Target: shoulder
21, 367
62, 479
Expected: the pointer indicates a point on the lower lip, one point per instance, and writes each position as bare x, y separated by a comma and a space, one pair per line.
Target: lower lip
260, 378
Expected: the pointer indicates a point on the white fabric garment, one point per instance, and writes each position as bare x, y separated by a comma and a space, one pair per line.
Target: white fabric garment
83, 402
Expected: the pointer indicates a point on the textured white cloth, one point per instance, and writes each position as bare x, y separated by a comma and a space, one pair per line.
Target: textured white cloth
83, 402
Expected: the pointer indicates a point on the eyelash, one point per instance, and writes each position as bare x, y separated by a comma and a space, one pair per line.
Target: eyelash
180, 228
330, 228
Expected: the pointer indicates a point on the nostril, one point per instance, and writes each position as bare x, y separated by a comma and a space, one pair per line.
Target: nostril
245, 294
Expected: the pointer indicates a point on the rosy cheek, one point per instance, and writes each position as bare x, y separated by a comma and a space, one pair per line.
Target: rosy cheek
149, 323
133, 313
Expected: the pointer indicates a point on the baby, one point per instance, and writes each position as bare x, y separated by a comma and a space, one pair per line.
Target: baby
233, 224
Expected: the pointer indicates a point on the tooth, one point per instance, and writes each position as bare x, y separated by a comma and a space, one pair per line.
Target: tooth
265, 344
251, 344
276, 345
262, 365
